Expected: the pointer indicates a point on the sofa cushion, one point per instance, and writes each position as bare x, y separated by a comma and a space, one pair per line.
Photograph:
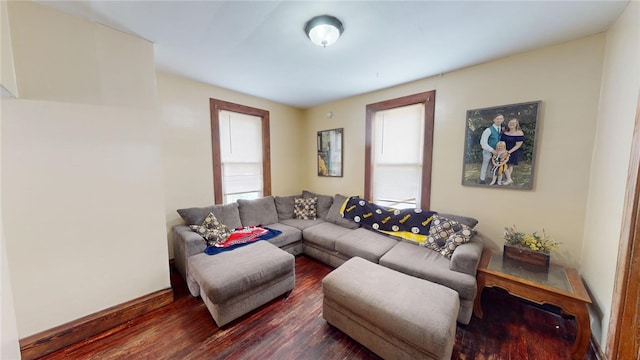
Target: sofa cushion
334, 215
284, 206
323, 205
421, 262
289, 235
364, 243
234, 273
258, 211
305, 208
212, 230
469, 221
301, 224
227, 214
324, 235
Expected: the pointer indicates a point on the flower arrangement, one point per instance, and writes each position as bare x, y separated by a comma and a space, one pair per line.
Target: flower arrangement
535, 241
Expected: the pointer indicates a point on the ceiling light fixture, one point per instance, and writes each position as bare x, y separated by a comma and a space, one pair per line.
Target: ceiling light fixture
323, 30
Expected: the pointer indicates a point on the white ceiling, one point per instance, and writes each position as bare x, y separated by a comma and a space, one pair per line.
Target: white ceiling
259, 47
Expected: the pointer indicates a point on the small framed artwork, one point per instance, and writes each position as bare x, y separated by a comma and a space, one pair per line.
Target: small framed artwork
330, 152
500, 146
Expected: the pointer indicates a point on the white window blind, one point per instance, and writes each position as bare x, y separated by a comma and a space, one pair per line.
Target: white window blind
241, 155
397, 157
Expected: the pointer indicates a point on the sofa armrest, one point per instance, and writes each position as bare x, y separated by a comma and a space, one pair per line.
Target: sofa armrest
465, 258
186, 242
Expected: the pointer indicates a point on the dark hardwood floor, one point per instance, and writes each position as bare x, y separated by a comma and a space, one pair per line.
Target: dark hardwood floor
293, 328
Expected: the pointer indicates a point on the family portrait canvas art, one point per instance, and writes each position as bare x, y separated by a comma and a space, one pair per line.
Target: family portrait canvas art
499, 149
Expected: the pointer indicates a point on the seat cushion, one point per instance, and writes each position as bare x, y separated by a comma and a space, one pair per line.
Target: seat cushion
229, 274
301, 223
427, 264
365, 244
289, 235
324, 235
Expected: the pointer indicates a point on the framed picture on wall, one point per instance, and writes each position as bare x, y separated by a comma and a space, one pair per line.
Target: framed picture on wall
330, 152
500, 146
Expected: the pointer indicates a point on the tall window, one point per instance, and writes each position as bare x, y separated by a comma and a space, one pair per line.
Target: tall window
240, 149
399, 143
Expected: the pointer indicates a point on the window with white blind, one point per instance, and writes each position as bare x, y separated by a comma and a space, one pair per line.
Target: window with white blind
240, 148
397, 156
399, 142
241, 156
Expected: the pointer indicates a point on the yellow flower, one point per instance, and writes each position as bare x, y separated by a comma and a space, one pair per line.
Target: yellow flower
534, 241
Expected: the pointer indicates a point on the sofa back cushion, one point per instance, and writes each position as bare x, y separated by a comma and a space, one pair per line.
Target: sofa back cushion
284, 206
258, 211
323, 205
470, 222
227, 214
334, 215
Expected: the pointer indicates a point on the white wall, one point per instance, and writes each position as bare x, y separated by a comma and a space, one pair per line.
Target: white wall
610, 164
186, 133
565, 77
9, 345
82, 179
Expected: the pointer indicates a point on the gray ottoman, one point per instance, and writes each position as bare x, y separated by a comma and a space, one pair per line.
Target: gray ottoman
395, 315
235, 282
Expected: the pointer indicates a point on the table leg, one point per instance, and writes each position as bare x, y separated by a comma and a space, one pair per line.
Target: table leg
579, 348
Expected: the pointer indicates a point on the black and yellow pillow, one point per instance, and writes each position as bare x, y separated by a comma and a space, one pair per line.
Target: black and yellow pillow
447, 234
212, 230
305, 208
456, 239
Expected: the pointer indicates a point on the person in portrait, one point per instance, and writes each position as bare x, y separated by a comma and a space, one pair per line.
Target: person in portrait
499, 161
513, 136
488, 141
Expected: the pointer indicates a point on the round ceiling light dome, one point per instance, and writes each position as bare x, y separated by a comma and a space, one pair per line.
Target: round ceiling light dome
323, 30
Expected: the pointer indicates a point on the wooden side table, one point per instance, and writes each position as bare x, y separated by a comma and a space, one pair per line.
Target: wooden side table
559, 286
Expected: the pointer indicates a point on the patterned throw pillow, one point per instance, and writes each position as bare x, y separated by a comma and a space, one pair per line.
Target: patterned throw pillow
305, 208
212, 230
458, 238
440, 231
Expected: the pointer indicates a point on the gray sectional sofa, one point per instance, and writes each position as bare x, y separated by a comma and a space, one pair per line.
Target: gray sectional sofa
333, 240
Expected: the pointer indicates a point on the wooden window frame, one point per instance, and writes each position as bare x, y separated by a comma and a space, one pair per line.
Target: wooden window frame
428, 99
215, 106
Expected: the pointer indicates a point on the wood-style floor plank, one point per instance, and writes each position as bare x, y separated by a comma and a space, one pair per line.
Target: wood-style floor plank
293, 328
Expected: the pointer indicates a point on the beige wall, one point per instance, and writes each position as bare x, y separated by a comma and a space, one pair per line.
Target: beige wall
7, 71
186, 129
92, 171
610, 164
82, 180
565, 77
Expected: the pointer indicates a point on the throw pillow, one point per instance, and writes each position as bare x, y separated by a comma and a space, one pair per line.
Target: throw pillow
305, 208
323, 205
458, 238
212, 230
440, 231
